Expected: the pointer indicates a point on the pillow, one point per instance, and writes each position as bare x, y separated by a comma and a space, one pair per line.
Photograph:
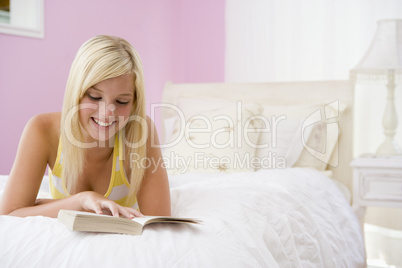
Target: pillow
215, 136
297, 136
192, 106
188, 105
323, 141
168, 127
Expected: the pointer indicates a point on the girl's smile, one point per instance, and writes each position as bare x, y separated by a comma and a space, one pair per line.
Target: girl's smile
103, 124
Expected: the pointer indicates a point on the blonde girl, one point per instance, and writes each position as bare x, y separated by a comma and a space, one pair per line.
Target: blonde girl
96, 146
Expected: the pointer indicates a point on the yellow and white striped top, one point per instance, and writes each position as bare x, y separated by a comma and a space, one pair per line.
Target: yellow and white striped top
118, 188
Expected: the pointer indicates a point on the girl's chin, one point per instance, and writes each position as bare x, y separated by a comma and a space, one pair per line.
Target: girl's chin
99, 136
103, 136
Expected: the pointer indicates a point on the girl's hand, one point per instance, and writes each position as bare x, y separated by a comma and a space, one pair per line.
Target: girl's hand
92, 201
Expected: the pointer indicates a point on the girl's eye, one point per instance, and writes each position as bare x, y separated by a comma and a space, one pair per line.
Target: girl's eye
94, 98
122, 102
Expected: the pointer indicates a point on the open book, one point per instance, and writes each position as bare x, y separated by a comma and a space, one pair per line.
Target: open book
91, 222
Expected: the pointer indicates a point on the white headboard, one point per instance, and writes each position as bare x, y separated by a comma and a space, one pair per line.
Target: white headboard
291, 93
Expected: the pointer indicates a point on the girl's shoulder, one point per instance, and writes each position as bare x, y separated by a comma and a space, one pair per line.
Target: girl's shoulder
45, 126
49, 123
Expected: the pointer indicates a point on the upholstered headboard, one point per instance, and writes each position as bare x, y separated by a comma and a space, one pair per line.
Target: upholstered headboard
282, 93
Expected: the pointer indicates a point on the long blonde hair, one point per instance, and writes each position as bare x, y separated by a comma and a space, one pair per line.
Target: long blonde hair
98, 59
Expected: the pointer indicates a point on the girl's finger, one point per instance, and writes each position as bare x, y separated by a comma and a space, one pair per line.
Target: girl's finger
112, 207
135, 212
126, 212
97, 208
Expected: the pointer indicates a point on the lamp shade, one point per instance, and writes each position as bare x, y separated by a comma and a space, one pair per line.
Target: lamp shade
385, 51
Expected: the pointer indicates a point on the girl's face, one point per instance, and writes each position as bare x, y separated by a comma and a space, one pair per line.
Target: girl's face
105, 107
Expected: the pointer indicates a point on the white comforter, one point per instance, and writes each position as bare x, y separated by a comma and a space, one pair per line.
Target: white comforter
289, 218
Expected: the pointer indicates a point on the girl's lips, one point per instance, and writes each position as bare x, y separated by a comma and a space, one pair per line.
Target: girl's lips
101, 123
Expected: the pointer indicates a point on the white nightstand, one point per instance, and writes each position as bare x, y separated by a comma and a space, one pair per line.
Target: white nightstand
377, 181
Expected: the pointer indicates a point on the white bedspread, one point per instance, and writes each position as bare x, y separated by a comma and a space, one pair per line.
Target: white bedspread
272, 218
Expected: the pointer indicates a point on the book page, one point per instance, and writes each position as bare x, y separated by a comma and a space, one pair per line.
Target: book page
143, 220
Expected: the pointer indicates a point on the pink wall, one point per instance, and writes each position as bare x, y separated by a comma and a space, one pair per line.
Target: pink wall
178, 40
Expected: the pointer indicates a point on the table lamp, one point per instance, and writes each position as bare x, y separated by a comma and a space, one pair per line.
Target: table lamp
383, 61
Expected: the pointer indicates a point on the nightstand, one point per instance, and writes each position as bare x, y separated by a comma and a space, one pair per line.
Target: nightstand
377, 181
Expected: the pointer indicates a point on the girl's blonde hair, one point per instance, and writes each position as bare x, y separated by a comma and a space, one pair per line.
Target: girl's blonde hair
98, 59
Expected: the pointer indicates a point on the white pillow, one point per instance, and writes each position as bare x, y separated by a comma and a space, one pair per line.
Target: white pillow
216, 136
191, 106
323, 141
168, 126
297, 135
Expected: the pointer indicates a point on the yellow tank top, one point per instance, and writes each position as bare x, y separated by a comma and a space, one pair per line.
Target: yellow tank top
118, 188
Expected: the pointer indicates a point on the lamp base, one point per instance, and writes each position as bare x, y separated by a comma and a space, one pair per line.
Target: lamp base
389, 147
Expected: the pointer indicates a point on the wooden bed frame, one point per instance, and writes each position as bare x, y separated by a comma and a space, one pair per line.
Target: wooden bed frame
291, 93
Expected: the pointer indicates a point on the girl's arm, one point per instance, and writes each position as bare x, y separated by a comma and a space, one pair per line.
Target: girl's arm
154, 194
29, 166
85, 201
34, 151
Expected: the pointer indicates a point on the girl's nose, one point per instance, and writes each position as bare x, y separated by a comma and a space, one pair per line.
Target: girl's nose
111, 107
106, 109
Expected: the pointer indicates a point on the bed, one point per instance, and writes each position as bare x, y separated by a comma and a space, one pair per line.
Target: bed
265, 167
